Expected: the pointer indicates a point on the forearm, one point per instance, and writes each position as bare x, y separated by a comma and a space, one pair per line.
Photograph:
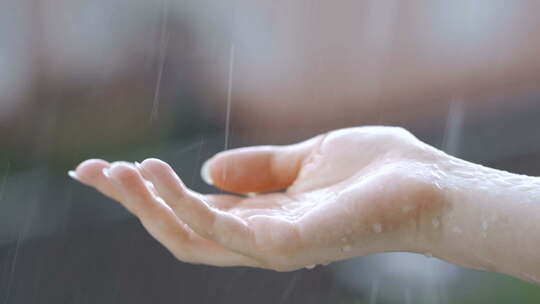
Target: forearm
492, 221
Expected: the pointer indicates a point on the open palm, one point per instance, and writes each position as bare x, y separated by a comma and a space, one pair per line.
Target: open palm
347, 193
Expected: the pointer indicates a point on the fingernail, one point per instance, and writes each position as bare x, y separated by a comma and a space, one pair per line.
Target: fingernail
205, 173
106, 172
73, 175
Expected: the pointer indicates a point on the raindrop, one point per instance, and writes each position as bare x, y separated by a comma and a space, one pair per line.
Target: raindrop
309, 267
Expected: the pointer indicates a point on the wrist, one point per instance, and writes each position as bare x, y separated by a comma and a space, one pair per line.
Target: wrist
491, 219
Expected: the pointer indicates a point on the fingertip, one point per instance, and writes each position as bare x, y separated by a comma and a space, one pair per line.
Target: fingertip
129, 180
92, 173
73, 174
244, 170
160, 172
153, 164
91, 163
89, 171
120, 170
206, 174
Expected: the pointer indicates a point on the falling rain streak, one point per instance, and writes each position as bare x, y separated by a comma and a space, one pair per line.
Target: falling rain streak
290, 287
20, 237
453, 128
164, 42
229, 96
4, 181
197, 159
374, 292
12, 269
229, 103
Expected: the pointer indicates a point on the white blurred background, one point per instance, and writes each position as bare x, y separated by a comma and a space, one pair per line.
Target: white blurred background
182, 79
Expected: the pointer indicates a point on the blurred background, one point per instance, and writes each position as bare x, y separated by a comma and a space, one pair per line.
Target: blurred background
184, 79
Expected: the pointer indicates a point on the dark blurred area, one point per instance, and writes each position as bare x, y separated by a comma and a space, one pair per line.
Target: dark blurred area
183, 79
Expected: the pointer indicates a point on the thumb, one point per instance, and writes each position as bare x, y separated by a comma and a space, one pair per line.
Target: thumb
259, 168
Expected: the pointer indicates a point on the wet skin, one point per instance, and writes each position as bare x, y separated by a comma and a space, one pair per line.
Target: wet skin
344, 194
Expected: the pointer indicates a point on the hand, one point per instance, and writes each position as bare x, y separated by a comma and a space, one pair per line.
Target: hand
347, 193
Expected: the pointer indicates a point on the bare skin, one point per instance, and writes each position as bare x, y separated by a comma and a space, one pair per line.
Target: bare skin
344, 194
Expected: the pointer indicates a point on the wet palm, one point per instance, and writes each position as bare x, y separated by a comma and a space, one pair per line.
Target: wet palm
347, 193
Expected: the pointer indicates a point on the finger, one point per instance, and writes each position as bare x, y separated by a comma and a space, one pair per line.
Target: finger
222, 227
258, 169
90, 173
161, 222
